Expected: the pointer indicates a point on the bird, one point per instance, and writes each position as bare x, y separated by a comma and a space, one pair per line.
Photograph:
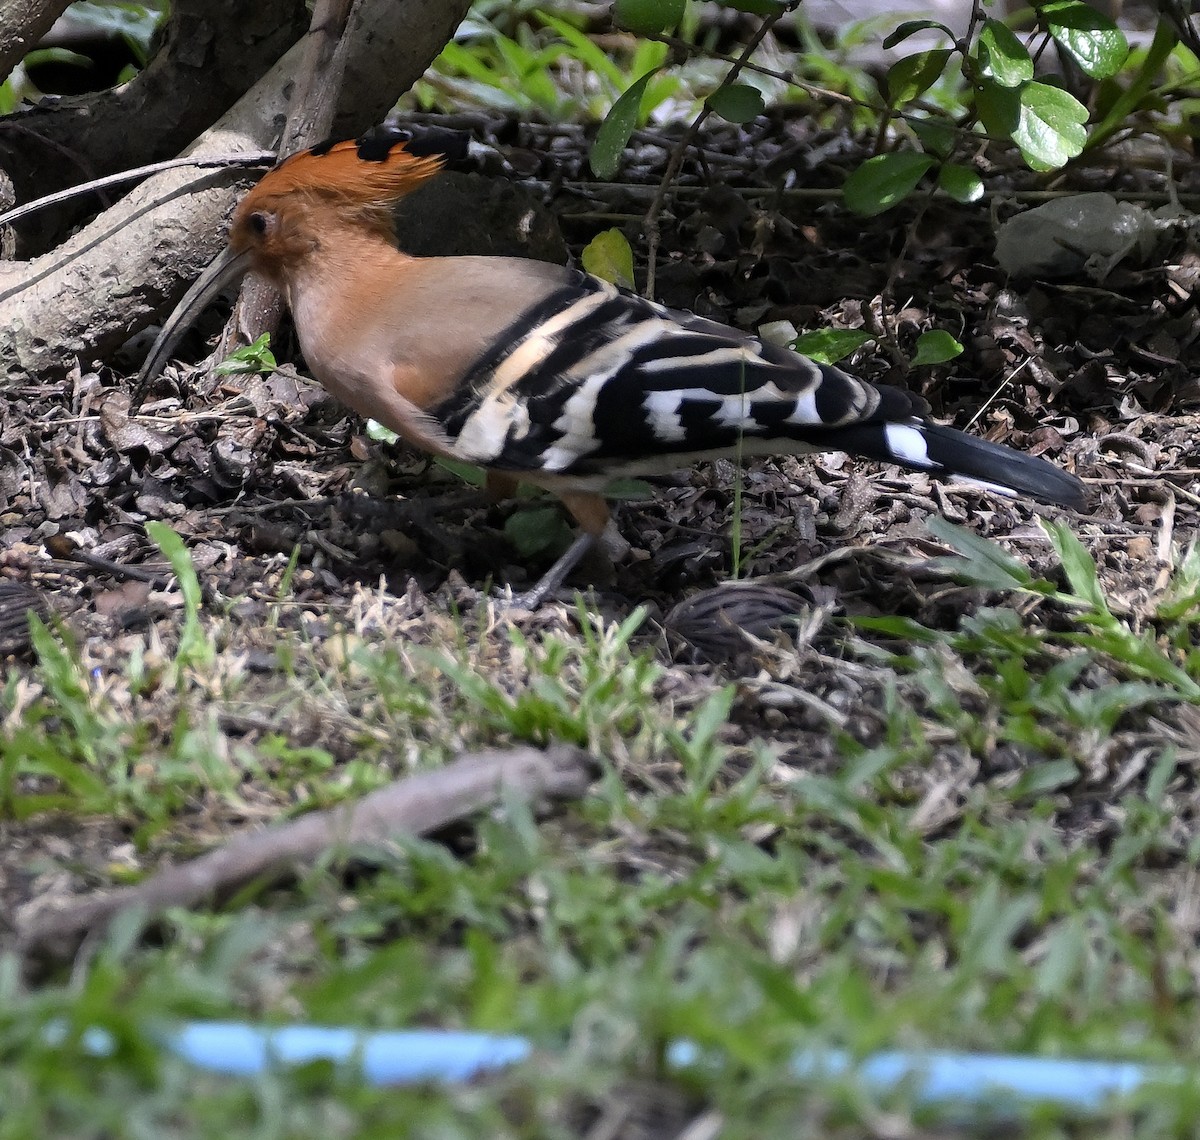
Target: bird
543, 374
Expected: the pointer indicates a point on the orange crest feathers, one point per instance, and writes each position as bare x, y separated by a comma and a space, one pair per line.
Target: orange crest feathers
375, 170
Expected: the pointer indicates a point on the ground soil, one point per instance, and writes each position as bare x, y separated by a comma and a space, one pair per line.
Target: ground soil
1099, 375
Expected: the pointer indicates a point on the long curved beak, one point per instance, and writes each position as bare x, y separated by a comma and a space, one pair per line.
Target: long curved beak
225, 269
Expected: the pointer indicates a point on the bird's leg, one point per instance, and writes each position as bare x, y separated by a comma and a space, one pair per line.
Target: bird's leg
532, 598
596, 527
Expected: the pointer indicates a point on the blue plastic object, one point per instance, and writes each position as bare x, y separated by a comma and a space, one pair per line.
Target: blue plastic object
979, 1079
383, 1058
972, 1080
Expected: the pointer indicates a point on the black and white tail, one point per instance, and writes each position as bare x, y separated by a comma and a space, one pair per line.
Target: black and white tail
950, 454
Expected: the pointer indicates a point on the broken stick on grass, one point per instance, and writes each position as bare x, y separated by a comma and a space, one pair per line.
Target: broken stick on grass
415, 805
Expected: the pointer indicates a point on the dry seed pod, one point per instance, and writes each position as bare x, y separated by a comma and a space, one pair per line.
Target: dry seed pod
721, 624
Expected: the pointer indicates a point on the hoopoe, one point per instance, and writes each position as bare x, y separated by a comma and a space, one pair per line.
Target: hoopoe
546, 375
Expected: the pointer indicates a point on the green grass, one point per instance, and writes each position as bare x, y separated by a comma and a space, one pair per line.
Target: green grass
993, 853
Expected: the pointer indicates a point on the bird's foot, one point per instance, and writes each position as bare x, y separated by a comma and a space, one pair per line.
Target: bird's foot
605, 549
549, 582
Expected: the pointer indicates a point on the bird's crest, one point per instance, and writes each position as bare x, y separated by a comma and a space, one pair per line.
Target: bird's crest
372, 171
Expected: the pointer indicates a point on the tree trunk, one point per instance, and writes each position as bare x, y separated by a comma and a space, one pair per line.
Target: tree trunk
86, 298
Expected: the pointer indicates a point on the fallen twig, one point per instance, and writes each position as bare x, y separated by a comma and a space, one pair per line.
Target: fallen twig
415, 805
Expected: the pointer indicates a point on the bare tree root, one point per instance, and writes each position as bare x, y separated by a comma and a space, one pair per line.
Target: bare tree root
416, 805
210, 56
84, 299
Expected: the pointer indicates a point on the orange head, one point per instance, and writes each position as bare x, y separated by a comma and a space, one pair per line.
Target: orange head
330, 187
334, 184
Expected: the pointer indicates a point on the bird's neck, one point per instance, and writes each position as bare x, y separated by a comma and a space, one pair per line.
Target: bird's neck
345, 277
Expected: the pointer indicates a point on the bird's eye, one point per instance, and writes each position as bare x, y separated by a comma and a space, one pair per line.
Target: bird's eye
259, 222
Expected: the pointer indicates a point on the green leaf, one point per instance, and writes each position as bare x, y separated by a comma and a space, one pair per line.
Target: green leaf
380, 434
648, 55
960, 182
1045, 777
488, 85
176, 553
884, 180
634, 489
584, 49
194, 646
541, 530
781, 988
256, 357
609, 256
614, 132
906, 629
64, 56
828, 346
1064, 959
993, 926
467, 472
1091, 39
936, 347
915, 74
911, 27
1045, 122
1002, 56
1051, 129
937, 136
1164, 43
737, 103
646, 17
530, 70
1078, 565
982, 563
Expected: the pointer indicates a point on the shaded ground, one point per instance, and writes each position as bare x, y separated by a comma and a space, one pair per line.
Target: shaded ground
1099, 377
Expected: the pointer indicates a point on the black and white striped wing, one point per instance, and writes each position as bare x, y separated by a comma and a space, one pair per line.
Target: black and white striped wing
595, 377
596, 381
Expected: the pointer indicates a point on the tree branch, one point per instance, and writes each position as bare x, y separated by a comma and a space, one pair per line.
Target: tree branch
314, 99
415, 805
